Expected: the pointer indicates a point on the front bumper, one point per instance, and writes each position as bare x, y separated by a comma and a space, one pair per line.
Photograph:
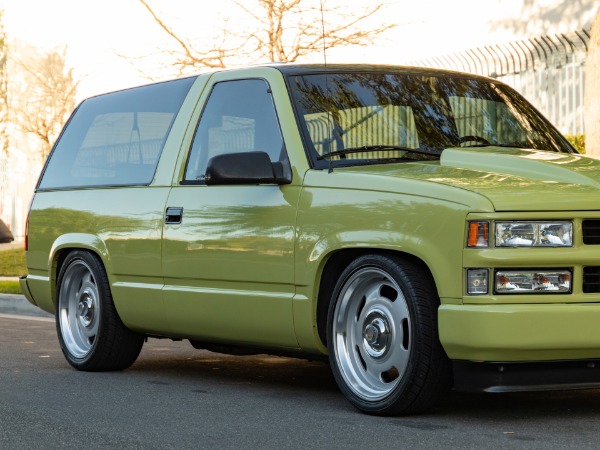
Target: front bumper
511, 332
522, 376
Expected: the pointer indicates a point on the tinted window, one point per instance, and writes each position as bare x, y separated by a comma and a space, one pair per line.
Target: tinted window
115, 139
364, 113
239, 116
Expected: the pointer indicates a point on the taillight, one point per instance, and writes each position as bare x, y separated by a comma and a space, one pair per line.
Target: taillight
26, 239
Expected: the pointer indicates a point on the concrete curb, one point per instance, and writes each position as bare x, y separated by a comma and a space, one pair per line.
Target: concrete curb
18, 304
12, 304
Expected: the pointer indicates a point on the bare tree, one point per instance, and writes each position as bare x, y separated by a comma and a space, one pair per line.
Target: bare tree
284, 31
44, 96
592, 92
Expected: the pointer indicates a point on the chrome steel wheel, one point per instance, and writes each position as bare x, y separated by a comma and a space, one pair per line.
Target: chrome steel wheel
371, 332
79, 308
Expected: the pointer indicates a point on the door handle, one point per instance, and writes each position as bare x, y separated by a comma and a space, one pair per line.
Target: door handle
173, 215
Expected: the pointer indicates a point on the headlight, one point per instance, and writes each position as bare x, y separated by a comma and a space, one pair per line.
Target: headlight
534, 234
532, 281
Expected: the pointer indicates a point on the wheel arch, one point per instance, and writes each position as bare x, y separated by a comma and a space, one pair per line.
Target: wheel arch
68, 243
334, 265
91, 334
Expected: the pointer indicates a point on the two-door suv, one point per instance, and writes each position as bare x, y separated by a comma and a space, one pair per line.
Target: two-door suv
424, 229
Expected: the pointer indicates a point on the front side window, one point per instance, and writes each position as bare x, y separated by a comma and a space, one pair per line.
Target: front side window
365, 118
115, 139
239, 116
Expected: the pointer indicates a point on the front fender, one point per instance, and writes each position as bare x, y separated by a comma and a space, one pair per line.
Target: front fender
331, 220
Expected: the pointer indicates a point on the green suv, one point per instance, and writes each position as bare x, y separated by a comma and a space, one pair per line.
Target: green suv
422, 229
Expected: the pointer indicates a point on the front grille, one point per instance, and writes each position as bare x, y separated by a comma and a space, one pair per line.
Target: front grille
591, 280
591, 232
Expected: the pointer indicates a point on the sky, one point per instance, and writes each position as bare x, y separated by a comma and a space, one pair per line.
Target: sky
111, 42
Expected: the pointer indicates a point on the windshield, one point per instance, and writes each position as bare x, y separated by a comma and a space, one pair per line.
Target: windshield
366, 118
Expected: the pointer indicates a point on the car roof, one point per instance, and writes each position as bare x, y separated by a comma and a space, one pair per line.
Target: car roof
305, 69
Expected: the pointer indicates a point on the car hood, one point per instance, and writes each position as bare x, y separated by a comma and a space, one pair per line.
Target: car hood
511, 179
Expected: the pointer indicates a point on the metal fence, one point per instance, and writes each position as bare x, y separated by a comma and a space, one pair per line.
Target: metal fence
548, 70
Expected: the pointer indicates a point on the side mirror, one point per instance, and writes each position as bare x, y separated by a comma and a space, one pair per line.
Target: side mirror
243, 168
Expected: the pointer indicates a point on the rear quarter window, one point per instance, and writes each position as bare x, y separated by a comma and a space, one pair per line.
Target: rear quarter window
115, 139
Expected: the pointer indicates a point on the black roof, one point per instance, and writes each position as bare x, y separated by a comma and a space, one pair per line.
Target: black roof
304, 69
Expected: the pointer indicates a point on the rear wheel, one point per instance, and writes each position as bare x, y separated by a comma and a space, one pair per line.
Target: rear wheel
91, 334
382, 337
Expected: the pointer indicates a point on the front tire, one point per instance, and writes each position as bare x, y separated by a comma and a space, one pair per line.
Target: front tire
90, 332
382, 336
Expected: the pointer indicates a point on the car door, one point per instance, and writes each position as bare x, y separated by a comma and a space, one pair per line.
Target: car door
228, 250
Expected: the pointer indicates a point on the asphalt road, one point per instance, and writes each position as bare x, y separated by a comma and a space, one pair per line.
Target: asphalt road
178, 397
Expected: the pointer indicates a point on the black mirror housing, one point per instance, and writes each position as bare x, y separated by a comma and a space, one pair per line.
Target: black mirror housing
242, 168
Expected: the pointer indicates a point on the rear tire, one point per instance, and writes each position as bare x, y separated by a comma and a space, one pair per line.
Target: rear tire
90, 331
383, 339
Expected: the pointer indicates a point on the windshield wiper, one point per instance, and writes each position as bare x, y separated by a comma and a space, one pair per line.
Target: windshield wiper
374, 148
515, 145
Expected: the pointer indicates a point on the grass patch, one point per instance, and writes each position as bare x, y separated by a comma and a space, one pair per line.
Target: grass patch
12, 263
10, 287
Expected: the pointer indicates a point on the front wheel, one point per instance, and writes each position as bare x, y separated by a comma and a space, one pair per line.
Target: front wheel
383, 342
91, 334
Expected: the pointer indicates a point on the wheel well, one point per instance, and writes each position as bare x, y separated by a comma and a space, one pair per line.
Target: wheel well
59, 259
334, 267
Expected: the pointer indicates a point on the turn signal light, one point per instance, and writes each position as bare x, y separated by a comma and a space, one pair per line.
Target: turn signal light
479, 234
